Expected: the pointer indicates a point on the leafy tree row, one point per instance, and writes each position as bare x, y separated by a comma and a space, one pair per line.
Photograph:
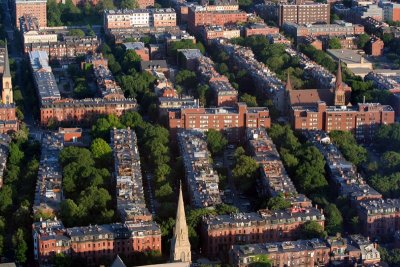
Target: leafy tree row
347, 144
276, 58
15, 198
86, 185
383, 170
306, 167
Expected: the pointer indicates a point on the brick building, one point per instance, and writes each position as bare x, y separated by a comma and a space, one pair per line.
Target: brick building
129, 191
145, 3
201, 179
94, 243
375, 47
351, 251
68, 47
231, 120
300, 13
213, 32
312, 110
223, 92
136, 18
140, 50
339, 28
200, 16
391, 11
35, 8
259, 29
83, 111
379, 218
220, 232
274, 179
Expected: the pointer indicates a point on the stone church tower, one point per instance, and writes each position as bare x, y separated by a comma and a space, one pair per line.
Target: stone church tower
340, 94
7, 92
180, 246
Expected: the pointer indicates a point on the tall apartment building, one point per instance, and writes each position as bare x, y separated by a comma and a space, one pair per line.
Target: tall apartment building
136, 18
221, 232
231, 120
35, 8
94, 243
299, 13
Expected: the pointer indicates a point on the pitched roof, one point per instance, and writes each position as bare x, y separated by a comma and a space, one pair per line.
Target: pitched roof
118, 262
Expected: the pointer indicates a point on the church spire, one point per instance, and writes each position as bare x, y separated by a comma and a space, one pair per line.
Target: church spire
7, 72
180, 246
6, 92
288, 86
339, 80
340, 97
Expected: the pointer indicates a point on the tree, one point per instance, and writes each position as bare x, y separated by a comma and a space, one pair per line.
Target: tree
20, 246
184, 44
278, 203
203, 91
131, 119
216, 141
363, 39
5, 198
251, 101
129, 4
312, 229
76, 32
101, 151
349, 147
61, 260
334, 222
334, 43
245, 171
226, 209
391, 161
186, 78
102, 126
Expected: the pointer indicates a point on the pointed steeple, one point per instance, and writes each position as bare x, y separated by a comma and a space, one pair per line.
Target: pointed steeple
6, 92
180, 245
340, 96
288, 86
7, 72
339, 80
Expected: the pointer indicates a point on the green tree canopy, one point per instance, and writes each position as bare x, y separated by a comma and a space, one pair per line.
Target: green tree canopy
250, 100
312, 229
334, 43
76, 32
278, 203
216, 141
